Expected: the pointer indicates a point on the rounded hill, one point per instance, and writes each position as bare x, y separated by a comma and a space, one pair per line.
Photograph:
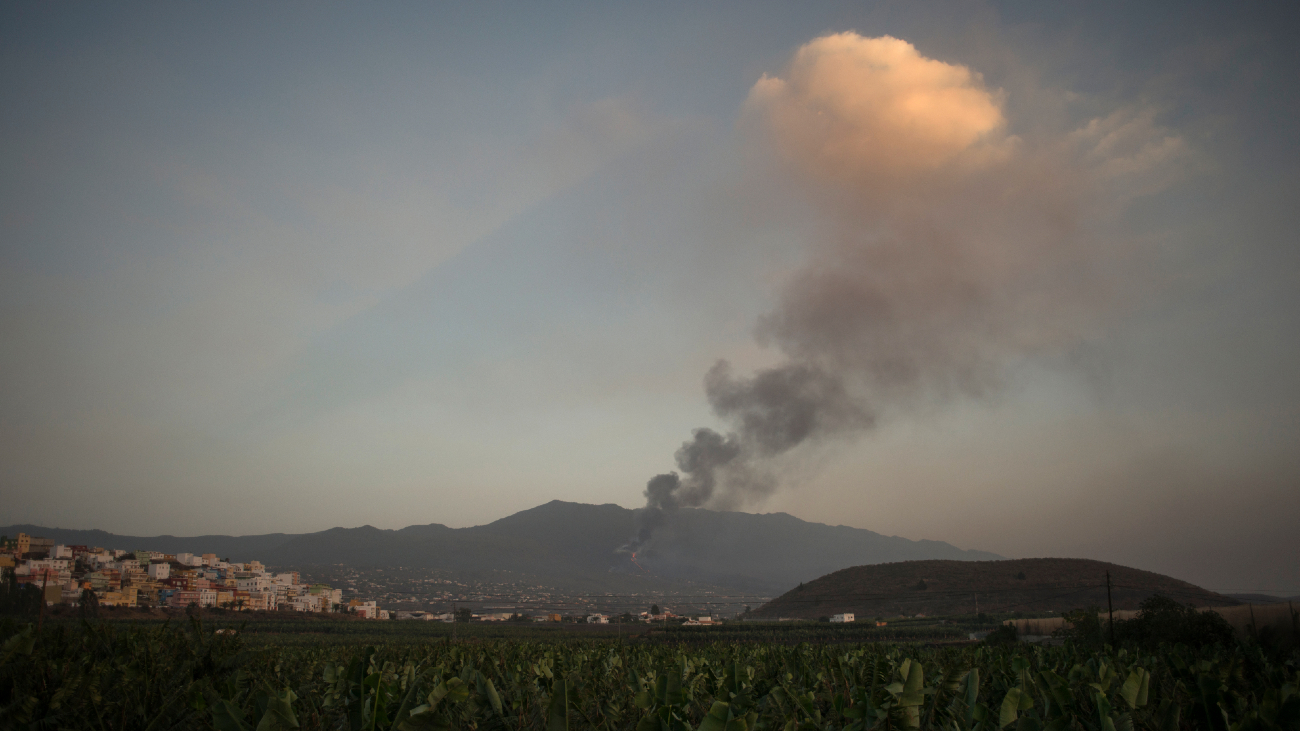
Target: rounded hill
909, 588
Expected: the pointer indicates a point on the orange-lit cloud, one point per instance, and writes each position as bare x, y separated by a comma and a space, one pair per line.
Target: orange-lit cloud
875, 109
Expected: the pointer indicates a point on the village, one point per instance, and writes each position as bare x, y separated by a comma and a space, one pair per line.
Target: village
77, 575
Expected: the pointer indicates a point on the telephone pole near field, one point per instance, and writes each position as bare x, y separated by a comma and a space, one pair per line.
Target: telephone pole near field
1110, 610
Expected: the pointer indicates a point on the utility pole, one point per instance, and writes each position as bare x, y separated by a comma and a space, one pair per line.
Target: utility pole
1110, 610
454, 619
40, 621
977, 604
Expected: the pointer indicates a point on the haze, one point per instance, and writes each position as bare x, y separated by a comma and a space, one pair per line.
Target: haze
1020, 279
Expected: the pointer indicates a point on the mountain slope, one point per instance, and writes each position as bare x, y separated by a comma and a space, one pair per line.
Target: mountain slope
237, 548
573, 546
955, 587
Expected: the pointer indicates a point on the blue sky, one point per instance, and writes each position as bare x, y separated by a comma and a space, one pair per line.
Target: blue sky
285, 268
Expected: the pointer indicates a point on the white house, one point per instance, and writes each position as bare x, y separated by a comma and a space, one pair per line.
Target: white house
159, 571
846, 617
597, 619
253, 583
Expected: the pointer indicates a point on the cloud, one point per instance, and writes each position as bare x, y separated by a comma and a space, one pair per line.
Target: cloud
874, 111
948, 253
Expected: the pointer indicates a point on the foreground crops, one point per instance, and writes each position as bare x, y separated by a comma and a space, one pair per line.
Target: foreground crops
186, 677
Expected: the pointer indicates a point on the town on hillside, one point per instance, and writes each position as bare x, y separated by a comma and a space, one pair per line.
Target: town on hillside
74, 575
77, 575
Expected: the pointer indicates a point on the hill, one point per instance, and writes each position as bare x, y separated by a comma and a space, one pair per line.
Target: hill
571, 546
955, 587
1264, 598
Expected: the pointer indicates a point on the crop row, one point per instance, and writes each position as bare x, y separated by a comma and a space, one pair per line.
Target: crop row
101, 676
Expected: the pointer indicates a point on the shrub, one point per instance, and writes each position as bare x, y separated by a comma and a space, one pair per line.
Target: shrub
1004, 635
1162, 619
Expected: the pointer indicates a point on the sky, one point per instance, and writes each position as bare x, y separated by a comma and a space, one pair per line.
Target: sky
1020, 278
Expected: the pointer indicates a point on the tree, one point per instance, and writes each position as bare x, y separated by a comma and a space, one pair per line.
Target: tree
1004, 635
654, 609
464, 615
1161, 619
88, 604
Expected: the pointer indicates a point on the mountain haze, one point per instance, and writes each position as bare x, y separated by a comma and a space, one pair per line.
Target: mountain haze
571, 546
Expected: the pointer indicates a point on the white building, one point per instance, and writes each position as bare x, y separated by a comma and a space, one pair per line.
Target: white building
597, 619
841, 618
189, 559
253, 583
159, 571
61, 552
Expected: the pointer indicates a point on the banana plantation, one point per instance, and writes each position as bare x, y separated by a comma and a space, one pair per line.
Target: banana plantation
188, 676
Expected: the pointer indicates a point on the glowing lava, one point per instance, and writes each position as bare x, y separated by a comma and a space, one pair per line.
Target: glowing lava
637, 564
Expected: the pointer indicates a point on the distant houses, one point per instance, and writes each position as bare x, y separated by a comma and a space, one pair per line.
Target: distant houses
152, 579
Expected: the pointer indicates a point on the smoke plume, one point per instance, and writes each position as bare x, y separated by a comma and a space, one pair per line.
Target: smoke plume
952, 250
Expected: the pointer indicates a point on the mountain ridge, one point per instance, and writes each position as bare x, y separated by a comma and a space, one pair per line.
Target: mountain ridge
570, 545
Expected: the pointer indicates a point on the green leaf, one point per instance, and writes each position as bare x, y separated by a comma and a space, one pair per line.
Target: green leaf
717, 717
19, 644
673, 693
1103, 707
279, 712
557, 718
913, 691
972, 689
226, 716
1010, 708
1129, 690
490, 692
404, 709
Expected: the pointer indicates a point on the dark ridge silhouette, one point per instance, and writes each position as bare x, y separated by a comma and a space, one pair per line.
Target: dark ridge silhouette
571, 546
934, 588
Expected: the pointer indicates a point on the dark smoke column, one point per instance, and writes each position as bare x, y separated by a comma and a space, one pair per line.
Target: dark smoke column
771, 413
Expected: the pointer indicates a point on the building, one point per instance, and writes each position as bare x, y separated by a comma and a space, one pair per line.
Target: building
699, 621
159, 571
37, 546
597, 619
253, 583
843, 618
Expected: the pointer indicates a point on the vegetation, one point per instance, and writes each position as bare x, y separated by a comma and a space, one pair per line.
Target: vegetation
1161, 620
185, 675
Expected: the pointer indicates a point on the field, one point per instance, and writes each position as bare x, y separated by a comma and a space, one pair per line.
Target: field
409, 675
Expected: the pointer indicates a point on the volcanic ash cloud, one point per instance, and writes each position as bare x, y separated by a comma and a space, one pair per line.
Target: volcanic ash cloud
950, 249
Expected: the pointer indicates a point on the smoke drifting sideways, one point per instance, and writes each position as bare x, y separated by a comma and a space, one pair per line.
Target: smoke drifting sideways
950, 250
